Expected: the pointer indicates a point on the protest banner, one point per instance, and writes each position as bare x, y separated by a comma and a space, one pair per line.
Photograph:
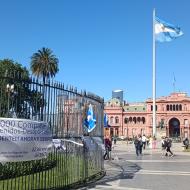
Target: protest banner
23, 140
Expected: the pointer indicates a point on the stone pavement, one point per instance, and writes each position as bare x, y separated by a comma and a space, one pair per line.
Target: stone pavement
150, 171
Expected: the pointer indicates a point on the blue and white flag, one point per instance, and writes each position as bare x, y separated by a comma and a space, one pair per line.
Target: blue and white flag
90, 121
105, 120
165, 32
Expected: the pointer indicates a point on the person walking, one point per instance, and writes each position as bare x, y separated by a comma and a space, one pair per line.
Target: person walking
140, 144
115, 140
186, 143
163, 144
154, 143
150, 142
108, 145
147, 141
137, 145
168, 147
144, 141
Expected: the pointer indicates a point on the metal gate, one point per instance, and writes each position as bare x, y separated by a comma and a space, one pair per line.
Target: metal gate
79, 156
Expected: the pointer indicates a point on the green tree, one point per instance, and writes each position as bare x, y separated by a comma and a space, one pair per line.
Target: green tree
10, 68
44, 64
22, 99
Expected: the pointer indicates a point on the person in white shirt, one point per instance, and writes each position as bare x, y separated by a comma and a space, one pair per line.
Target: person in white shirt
144, 141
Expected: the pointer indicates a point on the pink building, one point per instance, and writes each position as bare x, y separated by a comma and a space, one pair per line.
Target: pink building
128, 120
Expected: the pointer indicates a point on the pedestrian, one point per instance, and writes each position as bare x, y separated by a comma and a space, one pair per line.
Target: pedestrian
186, 143
147, 141
115, 140
168, 147
140, 144
154, 143
163, 144
150, 142
144, 141
108, 145
137, 145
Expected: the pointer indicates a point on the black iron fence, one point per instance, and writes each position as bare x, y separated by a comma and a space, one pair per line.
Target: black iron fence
78, 155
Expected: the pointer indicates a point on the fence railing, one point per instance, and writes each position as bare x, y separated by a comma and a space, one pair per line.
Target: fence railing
78, 156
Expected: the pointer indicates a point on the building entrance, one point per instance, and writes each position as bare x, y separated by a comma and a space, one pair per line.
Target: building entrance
174, 127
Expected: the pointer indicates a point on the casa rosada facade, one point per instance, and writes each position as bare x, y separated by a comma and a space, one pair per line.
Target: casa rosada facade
131, 119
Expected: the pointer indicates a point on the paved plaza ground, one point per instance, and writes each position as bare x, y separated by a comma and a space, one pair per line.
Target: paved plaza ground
150, 171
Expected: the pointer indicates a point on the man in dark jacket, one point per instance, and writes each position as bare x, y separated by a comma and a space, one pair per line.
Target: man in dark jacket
168, 146
186, 143
108, 145
137, 144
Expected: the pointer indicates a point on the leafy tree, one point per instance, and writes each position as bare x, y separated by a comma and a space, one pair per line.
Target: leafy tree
44, 64
21, 100
9, 68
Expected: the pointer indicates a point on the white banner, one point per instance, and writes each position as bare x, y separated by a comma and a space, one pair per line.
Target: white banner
23, 140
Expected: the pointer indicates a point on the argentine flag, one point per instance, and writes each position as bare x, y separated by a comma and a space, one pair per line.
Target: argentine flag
165, 32
90, 121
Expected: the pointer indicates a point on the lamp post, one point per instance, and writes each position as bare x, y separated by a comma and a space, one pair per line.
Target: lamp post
9, 90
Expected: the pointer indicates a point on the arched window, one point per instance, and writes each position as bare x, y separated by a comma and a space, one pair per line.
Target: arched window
143, 120
116, 119
180, 107
108, 120
173, 107
170, 107
152, 108
134, 119
130, 119
126, 120
111, 119
167, 107
138, 119
177, 108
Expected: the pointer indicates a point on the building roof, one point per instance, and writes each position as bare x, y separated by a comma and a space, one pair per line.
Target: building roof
117, 90
113, 102
173, 97
139, 107
142, 106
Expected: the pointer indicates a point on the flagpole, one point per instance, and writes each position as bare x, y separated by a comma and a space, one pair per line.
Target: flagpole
154, 78
174, 87
174, 82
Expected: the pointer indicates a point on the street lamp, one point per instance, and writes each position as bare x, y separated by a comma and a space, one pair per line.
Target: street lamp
9, 90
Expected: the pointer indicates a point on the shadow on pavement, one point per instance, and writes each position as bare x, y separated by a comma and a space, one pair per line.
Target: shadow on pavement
116, 170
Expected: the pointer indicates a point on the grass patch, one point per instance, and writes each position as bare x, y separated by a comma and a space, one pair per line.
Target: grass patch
69, 169
16, 169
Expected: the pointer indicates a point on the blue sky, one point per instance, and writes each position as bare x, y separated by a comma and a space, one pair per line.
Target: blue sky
101, 44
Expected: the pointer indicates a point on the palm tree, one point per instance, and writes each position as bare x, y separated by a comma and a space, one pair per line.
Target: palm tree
44, 64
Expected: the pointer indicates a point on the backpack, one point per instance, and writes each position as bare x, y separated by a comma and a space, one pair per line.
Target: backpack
169, 143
